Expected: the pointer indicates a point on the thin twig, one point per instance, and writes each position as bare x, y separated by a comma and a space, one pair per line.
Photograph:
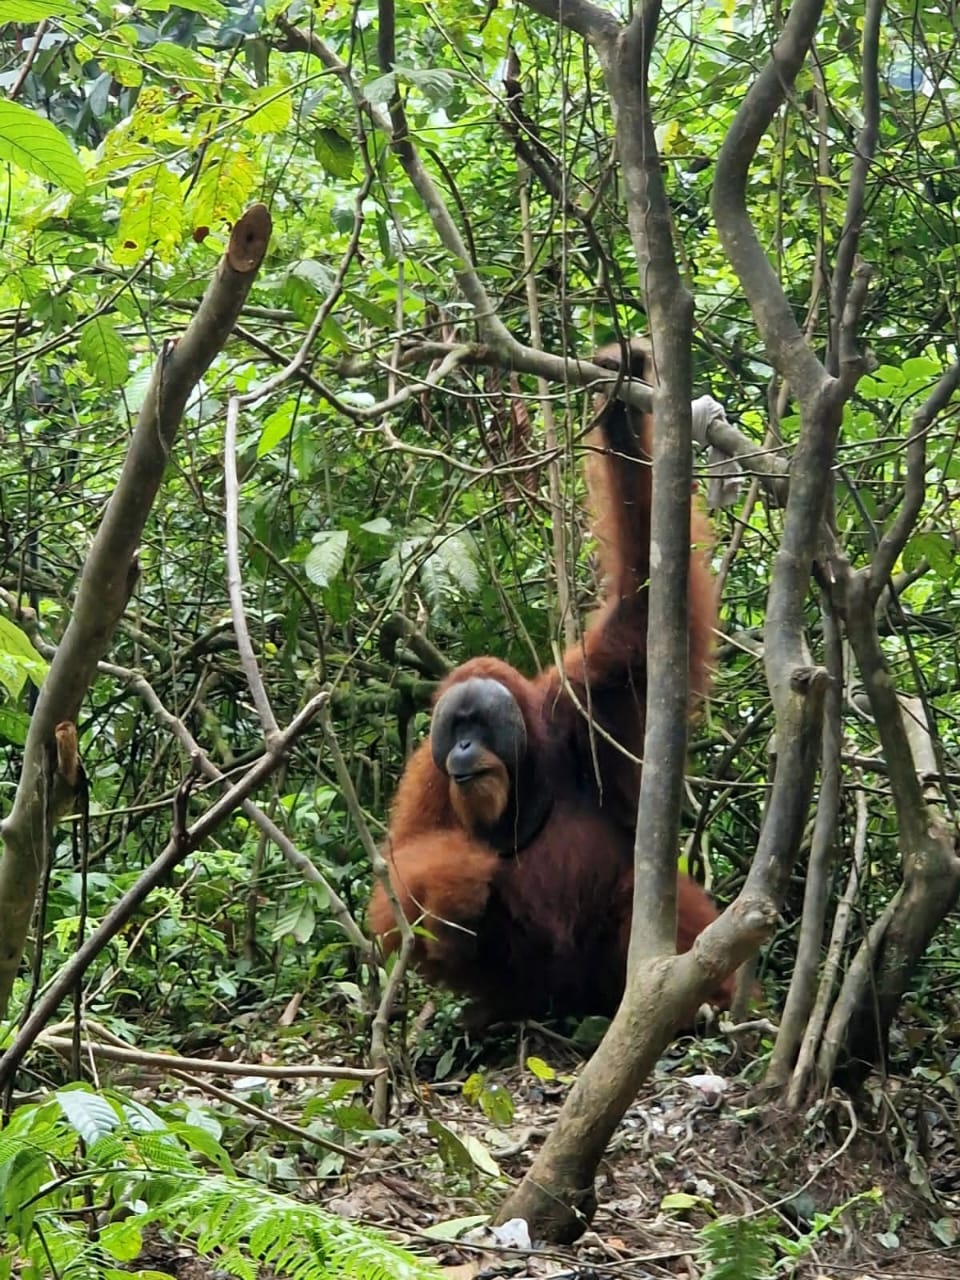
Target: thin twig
295, 858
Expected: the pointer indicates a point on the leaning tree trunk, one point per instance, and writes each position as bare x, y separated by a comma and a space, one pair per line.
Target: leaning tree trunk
556, 1197
108, 578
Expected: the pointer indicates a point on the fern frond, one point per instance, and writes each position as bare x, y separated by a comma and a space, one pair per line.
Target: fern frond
738, 1249
241, 1220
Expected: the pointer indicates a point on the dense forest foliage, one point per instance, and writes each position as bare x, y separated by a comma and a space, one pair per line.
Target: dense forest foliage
367, 467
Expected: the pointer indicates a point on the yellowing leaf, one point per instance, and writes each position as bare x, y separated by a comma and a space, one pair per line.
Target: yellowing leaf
151, 216
223, 191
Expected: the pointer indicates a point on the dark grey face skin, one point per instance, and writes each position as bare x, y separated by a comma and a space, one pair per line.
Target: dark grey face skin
478, 727
473, 718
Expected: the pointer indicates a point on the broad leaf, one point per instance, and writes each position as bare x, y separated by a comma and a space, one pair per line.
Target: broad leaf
37, 146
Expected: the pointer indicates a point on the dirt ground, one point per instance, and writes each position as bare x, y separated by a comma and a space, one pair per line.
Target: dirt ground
842, 1193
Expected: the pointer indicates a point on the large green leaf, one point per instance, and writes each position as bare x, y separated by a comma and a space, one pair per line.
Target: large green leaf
35, 145
103, 351
27, 12
327, 556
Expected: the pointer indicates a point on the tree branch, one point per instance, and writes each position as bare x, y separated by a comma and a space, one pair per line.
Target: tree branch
293, 856
791, 355
180, 845
842, 334
914, 491
111, 569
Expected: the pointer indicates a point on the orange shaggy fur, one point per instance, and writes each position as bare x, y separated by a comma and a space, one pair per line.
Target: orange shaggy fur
545, 928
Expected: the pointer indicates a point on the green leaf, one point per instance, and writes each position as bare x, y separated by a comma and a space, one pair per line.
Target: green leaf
937, 550
112, 1273
379, 525
460, 1151
371, 311
473, 1086
14, 640
480, 1154
276, 428
228, 179
590, 1031
316, 274
353, 1118
450, 571
38, 147
891, 374
121, 1240
201, 1140
945, 1230
104, 353
273, 113
921, 368
299, 923
91, 1116
494, 1101
739, 1248
141, 1118
434, 83
683, 1202
21, 660
173, 59
212, 9
334, 152
14, 725
542, 1070
27, 12
325, 561
378, 92
12, 677
497, 1105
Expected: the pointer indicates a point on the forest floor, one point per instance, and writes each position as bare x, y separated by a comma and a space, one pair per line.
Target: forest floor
848, 1195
